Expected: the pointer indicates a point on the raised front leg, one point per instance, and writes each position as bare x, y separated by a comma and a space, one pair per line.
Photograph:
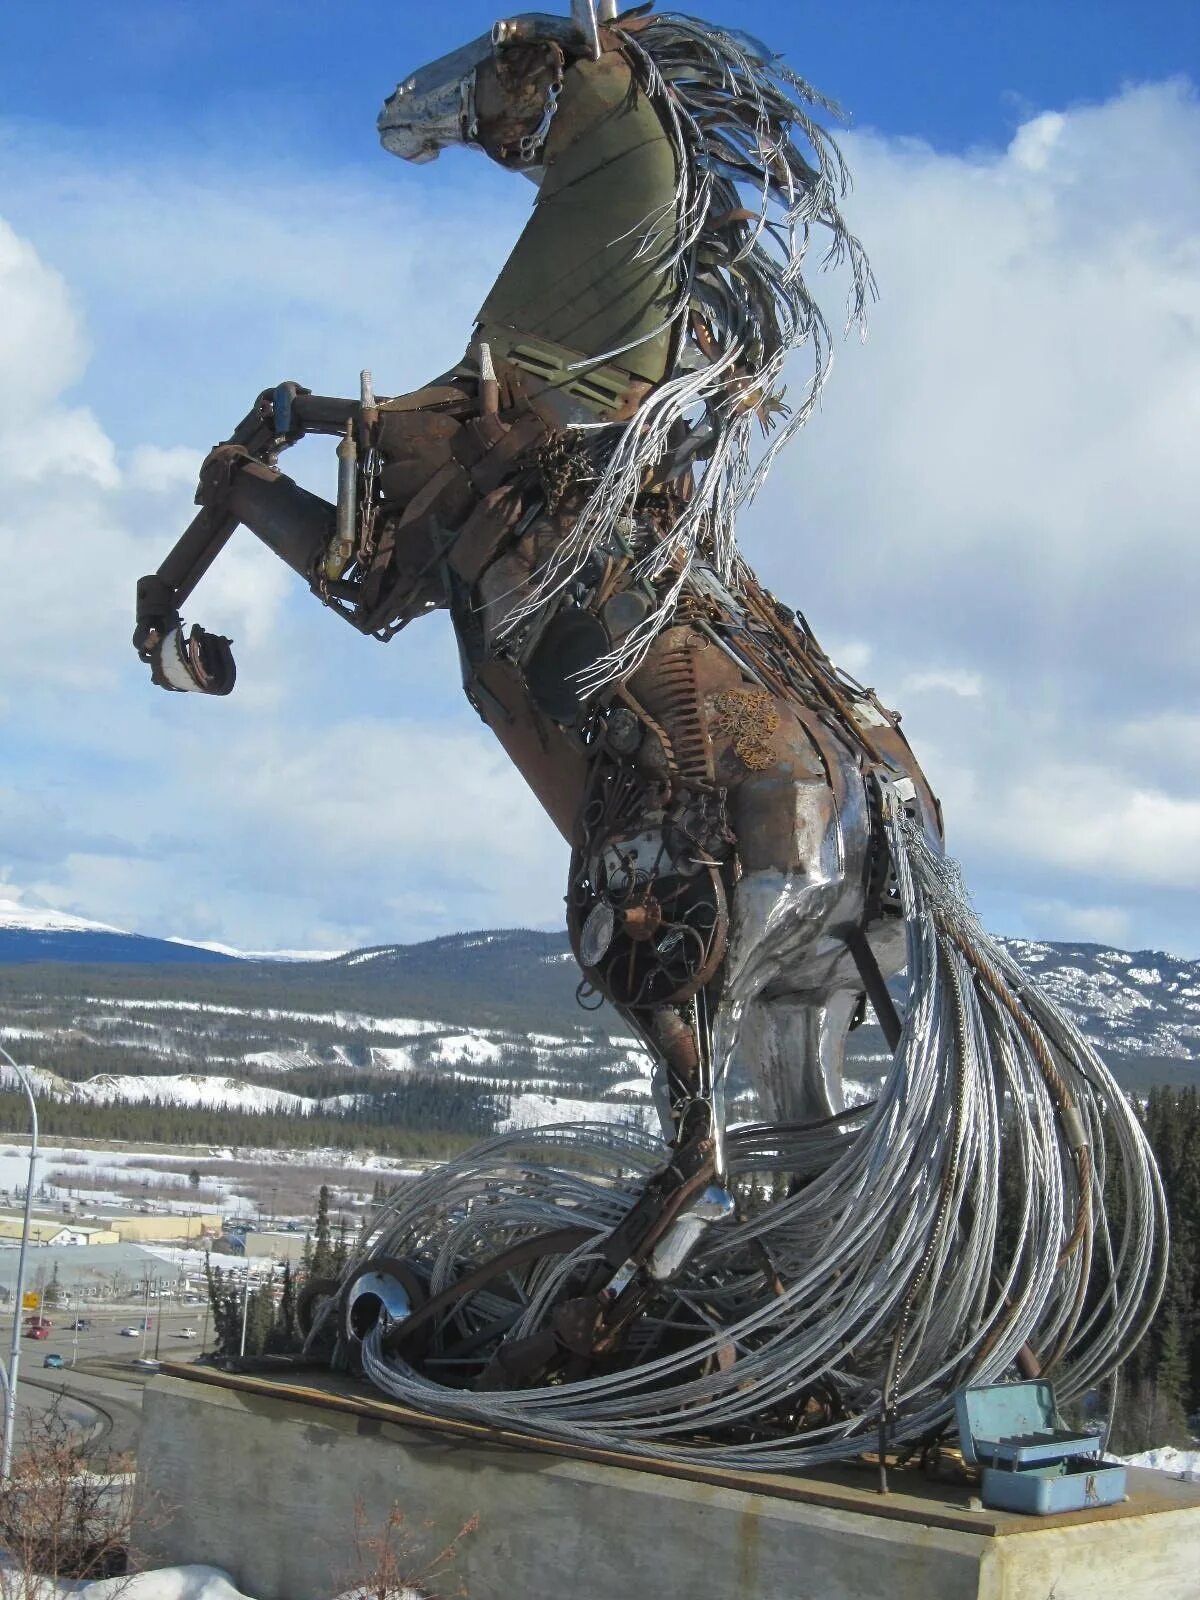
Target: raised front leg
377, 557
238, 484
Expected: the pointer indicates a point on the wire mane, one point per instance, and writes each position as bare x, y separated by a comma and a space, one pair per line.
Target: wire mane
748, 203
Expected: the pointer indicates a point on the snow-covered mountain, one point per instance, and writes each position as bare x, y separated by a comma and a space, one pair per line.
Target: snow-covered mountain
493, 1012
1131, 1002
34, 934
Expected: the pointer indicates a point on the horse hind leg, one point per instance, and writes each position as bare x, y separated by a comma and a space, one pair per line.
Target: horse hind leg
792, 1048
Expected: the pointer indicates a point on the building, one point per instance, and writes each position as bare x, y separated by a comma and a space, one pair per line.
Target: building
55, 1232
84, 1234
280, 1246
164, 1227
161, 1228
118, 1272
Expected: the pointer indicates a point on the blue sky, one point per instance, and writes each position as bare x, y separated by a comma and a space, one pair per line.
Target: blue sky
992, 516
952, 73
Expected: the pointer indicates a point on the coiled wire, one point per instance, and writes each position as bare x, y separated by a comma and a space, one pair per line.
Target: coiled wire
889, 1278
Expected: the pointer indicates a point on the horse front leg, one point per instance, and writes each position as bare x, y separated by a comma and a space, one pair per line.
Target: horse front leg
239, 484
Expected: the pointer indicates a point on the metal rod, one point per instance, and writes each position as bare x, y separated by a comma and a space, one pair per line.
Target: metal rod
14, 1354
876, 986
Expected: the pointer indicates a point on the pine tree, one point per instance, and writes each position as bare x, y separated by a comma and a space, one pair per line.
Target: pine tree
341, 1250
322, 1252
285, 1323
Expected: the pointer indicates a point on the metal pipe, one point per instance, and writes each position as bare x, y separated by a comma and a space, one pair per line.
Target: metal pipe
14, 1354
338, 556
489, 387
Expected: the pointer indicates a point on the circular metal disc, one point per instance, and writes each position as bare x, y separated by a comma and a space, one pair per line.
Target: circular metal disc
597, 934
374, 1295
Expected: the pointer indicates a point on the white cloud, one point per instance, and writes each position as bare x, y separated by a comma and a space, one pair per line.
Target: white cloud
1093, 924
1002, 490
992, 519
160, 471
967, 685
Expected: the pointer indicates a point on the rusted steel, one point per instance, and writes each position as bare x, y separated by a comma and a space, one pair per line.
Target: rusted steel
715, 791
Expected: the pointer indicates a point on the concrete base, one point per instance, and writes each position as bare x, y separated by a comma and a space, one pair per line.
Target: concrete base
268, 1480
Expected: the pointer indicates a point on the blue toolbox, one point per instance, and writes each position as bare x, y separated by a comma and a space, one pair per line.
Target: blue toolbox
1013, 1432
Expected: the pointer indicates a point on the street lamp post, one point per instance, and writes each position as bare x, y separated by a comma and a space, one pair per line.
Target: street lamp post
14, 1354
245, 1308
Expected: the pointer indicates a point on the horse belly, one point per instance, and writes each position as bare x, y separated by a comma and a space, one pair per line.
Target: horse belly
548, 758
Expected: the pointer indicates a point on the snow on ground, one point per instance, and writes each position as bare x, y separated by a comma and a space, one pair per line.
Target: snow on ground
392, 1058
169, 1583
257, 955
456, 1048
1166, 1458
347, 1021
274, 1060
188, 1089
634, 1086
537, 1110
182, 1089
91, 1171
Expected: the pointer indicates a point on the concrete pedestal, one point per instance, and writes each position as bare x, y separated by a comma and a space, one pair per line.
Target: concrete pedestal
268, 1480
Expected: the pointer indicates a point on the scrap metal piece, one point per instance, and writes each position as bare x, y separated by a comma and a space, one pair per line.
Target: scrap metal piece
587, 21
715, 1204
341, 550
752, 841
200, 664
434, 107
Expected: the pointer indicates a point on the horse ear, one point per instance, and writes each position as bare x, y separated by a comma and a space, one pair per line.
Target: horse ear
588, 23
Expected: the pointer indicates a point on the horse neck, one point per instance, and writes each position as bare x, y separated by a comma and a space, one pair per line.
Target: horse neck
575, 277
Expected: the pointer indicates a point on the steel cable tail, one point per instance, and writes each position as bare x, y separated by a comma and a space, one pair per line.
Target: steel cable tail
890, 1276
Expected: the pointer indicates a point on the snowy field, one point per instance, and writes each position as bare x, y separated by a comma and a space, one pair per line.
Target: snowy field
169, 1583
241, 1182
1178, 1463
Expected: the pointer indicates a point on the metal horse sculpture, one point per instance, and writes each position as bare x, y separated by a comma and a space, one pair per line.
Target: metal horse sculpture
568, 492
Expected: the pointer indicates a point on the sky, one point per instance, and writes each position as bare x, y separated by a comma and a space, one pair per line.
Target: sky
992, 516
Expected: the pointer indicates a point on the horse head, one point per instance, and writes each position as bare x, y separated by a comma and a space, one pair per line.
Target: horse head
496, 94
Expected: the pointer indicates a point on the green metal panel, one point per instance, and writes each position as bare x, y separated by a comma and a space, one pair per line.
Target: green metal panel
573, 277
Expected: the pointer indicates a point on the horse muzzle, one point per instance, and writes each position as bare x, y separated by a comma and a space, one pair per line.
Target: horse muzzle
435, 107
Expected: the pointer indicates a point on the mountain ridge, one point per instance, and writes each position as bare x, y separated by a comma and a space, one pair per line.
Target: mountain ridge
493, 1010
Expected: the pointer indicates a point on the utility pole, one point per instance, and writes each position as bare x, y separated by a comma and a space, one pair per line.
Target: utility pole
245, 1307
145, 1314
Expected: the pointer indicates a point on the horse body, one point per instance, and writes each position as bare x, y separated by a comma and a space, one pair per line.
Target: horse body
567, 492
754, 849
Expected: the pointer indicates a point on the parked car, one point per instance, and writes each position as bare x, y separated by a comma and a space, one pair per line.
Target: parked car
38, 1331
188, 1333
53, 1360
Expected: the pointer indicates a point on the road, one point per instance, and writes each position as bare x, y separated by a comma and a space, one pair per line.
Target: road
99, 1390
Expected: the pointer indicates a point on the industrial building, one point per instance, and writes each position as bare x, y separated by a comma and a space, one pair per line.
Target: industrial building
116, 1228
57, 1232
101, 1272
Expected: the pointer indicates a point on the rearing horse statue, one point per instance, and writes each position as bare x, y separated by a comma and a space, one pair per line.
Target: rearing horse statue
569, 493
